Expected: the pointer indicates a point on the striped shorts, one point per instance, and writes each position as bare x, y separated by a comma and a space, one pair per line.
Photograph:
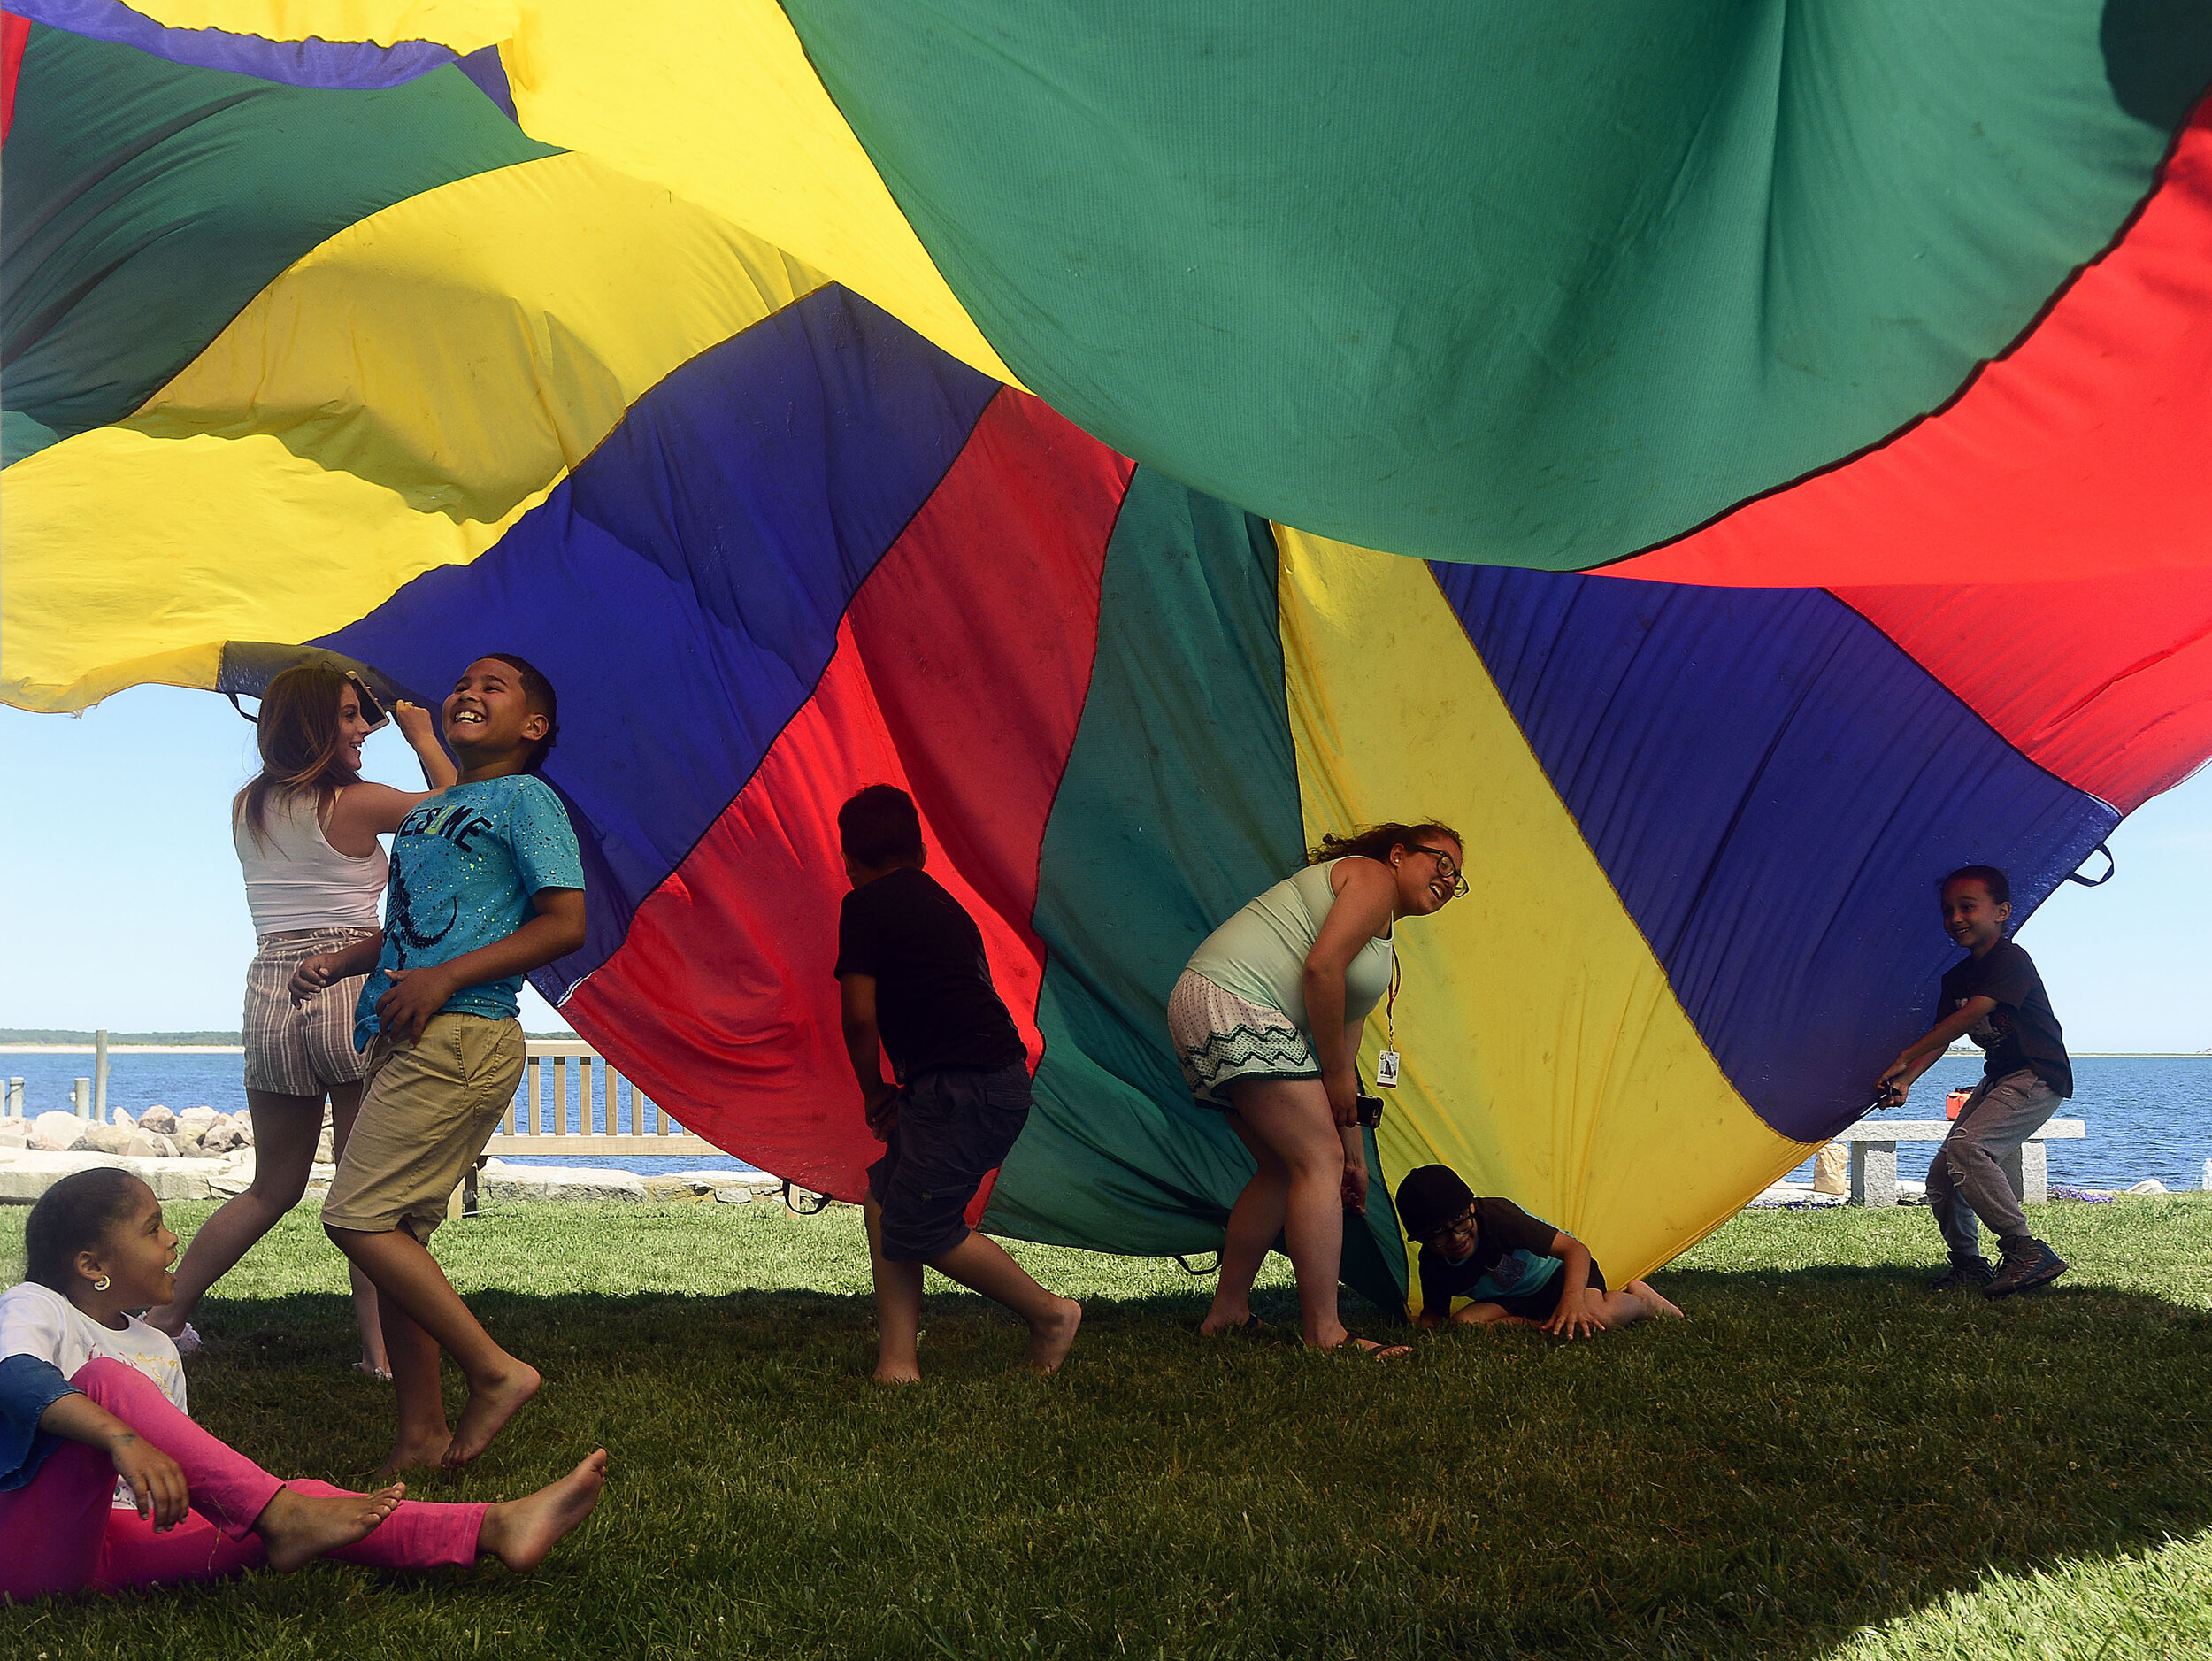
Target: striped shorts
1219, 1038
300, 1050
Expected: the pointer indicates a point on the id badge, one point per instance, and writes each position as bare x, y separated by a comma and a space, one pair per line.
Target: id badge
1386, 1070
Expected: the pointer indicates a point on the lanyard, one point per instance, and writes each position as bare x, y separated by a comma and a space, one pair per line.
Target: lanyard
1390, 1006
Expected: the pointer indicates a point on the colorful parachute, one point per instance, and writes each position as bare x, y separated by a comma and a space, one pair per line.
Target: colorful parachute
772, 378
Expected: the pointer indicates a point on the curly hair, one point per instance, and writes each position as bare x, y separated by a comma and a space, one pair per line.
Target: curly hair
75, 1215
1375, 841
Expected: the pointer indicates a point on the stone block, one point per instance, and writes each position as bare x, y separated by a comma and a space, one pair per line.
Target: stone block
27, 1174
158, 1121
14, 1132
502, 1181
55, 1131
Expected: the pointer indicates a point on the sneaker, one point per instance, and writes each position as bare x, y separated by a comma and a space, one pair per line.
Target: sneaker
2030, 1263
1964, 1277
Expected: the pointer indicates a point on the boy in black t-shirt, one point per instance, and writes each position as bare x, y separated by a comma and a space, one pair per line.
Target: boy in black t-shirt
1996, 998
1518, 1271
915, 983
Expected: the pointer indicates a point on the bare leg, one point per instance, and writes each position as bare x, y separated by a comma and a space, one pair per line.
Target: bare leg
284, 1131
345, 1104
423, 1436
898, 1307
410, 1285
982, 1265
1610, 1310
1291, 1117
520, 1532
1253, 1222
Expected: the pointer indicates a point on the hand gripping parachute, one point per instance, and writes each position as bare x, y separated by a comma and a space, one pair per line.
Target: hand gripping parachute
1783, 427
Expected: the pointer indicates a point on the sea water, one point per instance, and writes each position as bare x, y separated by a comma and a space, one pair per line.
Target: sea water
2146, 1116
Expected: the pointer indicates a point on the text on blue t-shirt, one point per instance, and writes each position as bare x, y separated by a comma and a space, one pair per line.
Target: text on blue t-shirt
465, 864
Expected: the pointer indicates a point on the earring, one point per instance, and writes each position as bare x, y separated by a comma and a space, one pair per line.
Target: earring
100, 1285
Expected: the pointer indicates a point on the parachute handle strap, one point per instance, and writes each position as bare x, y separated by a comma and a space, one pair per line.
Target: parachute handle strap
1184, 1263
790, 1199
2110, 865
241, 707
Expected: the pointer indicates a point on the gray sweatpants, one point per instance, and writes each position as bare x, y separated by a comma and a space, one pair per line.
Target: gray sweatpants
1967, 1178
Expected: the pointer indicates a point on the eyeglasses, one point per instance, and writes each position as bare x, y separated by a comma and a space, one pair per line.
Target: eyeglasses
1447, 868
1462, 1223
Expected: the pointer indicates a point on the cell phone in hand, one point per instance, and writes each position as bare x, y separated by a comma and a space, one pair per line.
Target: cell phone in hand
1370, 1110
373, 710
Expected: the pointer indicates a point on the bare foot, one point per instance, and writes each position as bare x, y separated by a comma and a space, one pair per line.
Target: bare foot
298, 1528
410, 1456
521, 1532
1218, 1321
1051, 1339
488, 1411
1374, 1351
1659, 1305
898, 1373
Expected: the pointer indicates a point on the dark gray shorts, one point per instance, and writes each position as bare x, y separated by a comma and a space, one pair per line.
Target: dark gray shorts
1542, 1303
955, 1128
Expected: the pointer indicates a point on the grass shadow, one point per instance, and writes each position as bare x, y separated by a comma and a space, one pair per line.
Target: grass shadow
1817, 1450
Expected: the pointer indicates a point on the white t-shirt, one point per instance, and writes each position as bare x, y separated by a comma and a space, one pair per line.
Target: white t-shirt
36, 1321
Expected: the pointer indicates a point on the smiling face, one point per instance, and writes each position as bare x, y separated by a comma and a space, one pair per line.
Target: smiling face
353, 726
490, 725
136, 1258
1971, 918
1427, 873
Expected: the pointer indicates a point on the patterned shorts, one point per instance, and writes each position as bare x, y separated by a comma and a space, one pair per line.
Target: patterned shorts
1219, 1038
300, 1050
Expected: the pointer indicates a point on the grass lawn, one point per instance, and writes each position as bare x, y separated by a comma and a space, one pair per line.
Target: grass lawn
1823, 1461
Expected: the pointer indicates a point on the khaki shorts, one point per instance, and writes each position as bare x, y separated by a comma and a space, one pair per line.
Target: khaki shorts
427, 1111
303, 1048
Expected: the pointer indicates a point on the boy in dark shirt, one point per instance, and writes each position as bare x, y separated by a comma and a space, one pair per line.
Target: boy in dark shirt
1996, 998
915, 983
1518, 1271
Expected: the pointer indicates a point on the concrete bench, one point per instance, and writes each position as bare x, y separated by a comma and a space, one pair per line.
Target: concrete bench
1874, 1155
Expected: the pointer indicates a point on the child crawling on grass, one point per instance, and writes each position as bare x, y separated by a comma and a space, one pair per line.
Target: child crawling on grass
105, 1485
1518, 1271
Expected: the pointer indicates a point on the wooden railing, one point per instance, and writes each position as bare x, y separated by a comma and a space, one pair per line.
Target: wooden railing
550, 1117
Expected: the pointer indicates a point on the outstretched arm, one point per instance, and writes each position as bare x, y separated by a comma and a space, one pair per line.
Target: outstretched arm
1921, 1054
420, 730
1573, 1319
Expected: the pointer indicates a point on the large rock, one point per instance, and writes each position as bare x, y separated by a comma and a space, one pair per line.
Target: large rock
158, 1121
196, 1119
502, 1181
93, 1138
223, 1136
158, 1146
14, 1132
55, 1131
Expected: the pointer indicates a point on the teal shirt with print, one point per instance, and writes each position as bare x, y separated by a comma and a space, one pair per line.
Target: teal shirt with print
465, 864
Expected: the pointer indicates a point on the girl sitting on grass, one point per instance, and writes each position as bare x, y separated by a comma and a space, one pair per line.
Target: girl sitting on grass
104, 1482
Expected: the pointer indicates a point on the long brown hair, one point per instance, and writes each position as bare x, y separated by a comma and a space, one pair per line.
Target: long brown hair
1375, 841
301, 746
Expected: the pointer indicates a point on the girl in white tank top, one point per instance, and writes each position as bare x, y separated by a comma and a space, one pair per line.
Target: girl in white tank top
306, 831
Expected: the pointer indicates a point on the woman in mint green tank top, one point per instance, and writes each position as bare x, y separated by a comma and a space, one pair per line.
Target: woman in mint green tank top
1266, 1022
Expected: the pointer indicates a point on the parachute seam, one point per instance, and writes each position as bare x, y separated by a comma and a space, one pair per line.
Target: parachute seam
2198, 109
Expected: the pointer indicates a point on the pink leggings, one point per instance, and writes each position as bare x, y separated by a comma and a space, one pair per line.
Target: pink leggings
59, 1533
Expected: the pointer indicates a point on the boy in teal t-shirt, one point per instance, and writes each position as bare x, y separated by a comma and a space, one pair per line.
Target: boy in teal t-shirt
486, 885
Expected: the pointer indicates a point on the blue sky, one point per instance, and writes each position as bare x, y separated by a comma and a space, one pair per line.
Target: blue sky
121, 903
